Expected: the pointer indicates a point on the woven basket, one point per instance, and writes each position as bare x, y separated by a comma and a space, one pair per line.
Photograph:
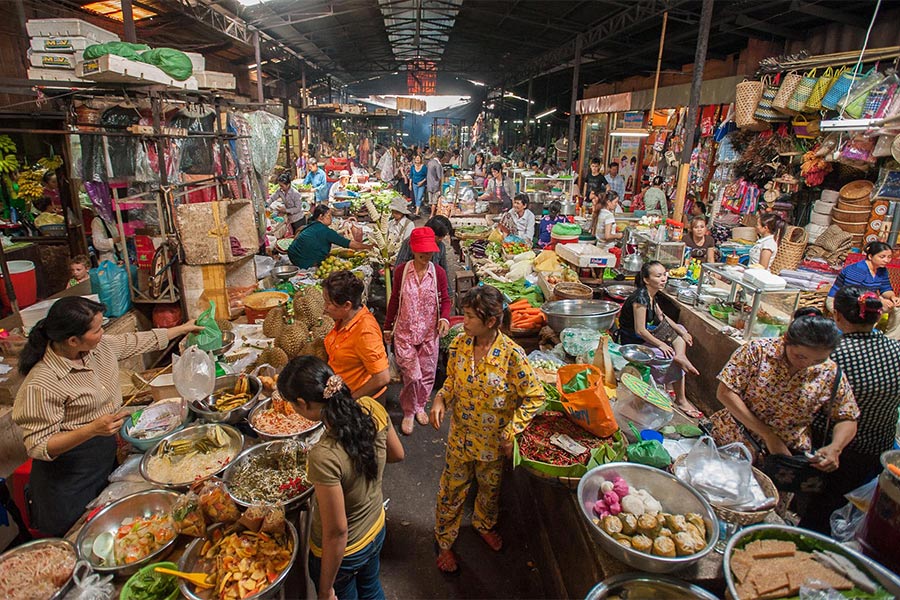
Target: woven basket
473, 236
569, 290
842, 84
850, 216
747, 95
739, 517
819, 90
764, 110
857, 229
782, 100
798, 101
570, 483
813, 299
790, 250
857, 191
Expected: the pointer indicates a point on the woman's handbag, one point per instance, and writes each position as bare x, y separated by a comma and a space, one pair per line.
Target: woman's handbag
804, 89
821, 88
782, 100
837, 93
764, 110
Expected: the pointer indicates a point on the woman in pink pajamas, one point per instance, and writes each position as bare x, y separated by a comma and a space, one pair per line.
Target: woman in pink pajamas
417, 316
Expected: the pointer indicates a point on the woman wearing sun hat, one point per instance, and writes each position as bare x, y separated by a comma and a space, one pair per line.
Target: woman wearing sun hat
400, 226
339, 186
417, 316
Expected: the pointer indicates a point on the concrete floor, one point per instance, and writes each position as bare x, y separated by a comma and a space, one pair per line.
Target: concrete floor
408, 560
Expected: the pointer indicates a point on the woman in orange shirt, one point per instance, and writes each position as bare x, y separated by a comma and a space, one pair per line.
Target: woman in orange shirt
355, 347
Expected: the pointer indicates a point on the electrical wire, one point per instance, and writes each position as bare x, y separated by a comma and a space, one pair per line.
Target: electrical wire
859, 60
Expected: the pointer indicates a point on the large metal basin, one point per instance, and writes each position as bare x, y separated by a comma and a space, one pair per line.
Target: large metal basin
598, 315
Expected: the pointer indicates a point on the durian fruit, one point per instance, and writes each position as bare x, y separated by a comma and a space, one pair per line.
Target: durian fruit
315, 347
309, 305
292, 338
273, 356
274, 322
225, 324
322, 328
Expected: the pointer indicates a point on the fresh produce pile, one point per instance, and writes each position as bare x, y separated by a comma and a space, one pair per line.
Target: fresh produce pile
514, 248
525, 316
534, 442
8, 161
332, 264
518, 290
451, 335
493, 251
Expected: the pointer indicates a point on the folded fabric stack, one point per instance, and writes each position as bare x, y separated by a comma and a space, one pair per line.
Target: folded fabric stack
834, 245
808, 280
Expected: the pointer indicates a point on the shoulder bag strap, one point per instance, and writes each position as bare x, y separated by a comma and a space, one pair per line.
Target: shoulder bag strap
830, 408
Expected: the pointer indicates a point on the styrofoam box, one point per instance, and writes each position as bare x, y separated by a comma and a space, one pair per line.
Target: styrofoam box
585, 255
68, 28
61, 45
47, 60
34, 313
113, 68
198, 61
214, 80
61, 75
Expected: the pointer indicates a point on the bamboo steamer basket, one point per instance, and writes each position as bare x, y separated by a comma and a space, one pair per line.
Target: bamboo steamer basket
853, 205
852, 228
857, 191
851, 215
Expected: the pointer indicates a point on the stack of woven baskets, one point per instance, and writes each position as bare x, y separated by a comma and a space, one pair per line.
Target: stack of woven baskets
853, 209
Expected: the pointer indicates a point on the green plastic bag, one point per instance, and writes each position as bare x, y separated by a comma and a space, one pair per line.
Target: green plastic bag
174, 63
566, 229
211, 337
650, 453
578, 382
123, 49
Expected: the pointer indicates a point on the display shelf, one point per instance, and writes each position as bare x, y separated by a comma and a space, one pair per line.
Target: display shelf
670, 254
533, 183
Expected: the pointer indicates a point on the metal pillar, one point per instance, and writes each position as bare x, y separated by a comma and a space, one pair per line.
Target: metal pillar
528, 112
128, 22
575, 73
304, 125
287, 135
693, 107
259, 83
500, 135
329, 90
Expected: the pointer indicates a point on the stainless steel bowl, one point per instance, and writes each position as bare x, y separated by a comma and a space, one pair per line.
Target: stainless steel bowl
637, 353
190, 559
675, 496
598, 315
141, 504
246, 455
266, 404
285, 272
235, 446
619, 292
674, 286
888, 580
227, 343
235, 415
644, 585
45, 542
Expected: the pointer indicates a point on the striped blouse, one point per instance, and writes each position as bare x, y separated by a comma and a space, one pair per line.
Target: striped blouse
61, 395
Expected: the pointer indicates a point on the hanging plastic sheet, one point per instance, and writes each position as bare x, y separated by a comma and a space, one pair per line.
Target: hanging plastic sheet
98, 192
266, 132
122, 149
93, 158
196, 152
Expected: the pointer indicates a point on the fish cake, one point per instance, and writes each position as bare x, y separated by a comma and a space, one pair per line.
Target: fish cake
664, 546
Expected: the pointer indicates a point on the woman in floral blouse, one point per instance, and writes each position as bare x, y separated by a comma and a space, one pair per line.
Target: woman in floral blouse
774, 388
492, 393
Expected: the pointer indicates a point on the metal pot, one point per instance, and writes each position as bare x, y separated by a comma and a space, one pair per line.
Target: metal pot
632, 263
568, 208
235, 415
537, 198
644, 585
598, 315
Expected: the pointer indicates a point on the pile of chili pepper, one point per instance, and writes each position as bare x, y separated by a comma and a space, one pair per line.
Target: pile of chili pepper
294, 487
534, 442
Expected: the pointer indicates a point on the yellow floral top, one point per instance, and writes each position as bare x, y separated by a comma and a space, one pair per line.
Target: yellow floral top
490, 402
758, 373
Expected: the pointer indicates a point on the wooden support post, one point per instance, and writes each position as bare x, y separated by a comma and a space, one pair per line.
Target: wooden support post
287, 134
259, 82
528, 111
128, 22
575, 87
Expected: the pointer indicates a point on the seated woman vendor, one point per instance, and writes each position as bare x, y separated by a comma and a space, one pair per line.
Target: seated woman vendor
605, 218
313, 243
642, 321
700, 241
769, 228
69, 406
871, 275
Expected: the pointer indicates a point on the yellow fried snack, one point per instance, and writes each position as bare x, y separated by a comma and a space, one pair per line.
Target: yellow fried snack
611, 524
648, 525
642, 543
629, 523
663, 546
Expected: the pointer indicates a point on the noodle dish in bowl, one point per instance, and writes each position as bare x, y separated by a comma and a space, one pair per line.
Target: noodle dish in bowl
38, 570
192, 454
275, 419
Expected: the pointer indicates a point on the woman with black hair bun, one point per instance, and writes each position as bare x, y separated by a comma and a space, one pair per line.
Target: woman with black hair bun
345, 466
871, 274
871, 362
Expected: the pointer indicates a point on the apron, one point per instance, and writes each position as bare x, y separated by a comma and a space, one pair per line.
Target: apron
62, 488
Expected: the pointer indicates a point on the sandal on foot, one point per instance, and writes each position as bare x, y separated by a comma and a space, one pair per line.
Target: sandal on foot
422, 418
447, 562
406, 425
691, 411
492, 539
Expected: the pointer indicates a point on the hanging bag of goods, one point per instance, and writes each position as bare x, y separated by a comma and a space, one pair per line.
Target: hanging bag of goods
584, 399
785, 94
855, 104
837, 93
821, 88
746, 98
765, 111
802, 92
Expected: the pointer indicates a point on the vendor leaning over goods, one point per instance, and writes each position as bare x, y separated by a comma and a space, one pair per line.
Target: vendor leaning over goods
400, 226
339, 188
316, 178
499, 188
492, 394
871, 274
313, 243
295, 208
68, 406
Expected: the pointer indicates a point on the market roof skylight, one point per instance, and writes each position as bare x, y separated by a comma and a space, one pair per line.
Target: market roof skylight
419, 28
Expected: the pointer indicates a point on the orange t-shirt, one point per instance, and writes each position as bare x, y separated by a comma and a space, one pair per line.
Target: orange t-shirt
356, 350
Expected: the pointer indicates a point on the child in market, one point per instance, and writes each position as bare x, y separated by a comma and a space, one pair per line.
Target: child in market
492, 393
79, 267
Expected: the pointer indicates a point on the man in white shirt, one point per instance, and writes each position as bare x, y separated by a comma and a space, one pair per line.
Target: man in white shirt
615, 181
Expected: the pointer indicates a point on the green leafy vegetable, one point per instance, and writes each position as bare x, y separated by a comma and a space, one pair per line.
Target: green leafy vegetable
147, 584
687, 430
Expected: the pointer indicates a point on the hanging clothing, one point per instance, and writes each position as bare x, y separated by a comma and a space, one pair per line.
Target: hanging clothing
102, 239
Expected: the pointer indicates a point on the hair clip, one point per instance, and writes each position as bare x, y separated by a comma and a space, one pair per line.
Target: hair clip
862, 303
333, 386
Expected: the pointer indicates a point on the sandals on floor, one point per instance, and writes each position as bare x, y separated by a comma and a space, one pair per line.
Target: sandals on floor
422, 418
492, 539
447, 561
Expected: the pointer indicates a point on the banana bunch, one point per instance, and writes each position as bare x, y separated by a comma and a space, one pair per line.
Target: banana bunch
9, 163
7, 146
52, 163
242, 385
30, 184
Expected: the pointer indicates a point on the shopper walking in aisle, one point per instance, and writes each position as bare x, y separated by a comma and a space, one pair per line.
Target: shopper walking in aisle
292, 204
68, 406
871, 274
770, 228
418, 174
434, 179
492, 394
417, 316
871, 363
316, 178
442, 231
655, 202
345, 467
615, 181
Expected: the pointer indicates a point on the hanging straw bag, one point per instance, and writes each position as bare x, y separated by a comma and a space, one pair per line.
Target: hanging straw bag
804, 128
820, 89
804, 89
765, 111
746, 99
838, 92
782, 100
790, 250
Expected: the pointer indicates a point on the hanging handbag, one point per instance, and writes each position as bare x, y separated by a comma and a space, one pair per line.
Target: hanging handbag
821, 88
857, 102
746, 98
786, 93
764, 110
805, 128
837, 93
804, 89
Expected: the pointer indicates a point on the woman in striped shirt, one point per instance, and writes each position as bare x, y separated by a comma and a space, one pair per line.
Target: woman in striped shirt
68, 406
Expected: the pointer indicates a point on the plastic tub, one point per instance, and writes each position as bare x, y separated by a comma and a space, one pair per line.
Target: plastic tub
24, 282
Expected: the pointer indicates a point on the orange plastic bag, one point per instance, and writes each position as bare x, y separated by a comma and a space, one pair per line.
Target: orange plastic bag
588, 408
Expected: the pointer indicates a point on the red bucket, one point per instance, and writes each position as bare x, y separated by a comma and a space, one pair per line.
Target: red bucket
24, 282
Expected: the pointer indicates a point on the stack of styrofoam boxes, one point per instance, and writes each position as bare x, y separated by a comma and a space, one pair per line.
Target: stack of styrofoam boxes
820, 217
210, 80
57, 44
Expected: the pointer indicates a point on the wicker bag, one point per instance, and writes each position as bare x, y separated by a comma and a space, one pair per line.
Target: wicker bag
820, 89
804, 128
856, 103
790, 250
798, 100
764, 110
837, 93
746, 99
782, 100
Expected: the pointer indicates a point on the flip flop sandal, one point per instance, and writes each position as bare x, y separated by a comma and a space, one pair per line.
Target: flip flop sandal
406, 425
492, 539
447, 561
422, 418
694, 413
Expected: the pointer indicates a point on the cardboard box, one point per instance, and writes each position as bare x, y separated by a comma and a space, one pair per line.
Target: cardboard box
214, 80
68, 28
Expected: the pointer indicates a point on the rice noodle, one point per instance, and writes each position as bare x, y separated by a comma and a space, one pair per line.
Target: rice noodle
36, 574
273, 422
195, 466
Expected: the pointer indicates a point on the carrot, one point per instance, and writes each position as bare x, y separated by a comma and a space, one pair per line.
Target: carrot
894, 469
521, 302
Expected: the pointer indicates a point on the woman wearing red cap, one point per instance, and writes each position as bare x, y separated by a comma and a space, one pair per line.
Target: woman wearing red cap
417, 316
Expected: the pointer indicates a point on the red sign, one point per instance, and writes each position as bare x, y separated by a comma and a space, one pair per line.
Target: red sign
421, 77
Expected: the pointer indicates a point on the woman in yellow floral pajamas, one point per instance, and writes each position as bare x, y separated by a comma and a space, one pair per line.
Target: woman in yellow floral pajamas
492, 393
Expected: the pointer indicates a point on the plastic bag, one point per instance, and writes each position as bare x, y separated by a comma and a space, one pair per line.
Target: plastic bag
188, 515
129, 470
589, 408
845, 522
123, 49
118, 490
650, 453
174, 63
723, 475
89, 585
862, 496
194, 374
110, 282
211, 337
217, 505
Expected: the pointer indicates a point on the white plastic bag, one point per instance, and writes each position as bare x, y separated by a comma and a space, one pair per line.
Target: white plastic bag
194, 374
90, 585
723, 475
